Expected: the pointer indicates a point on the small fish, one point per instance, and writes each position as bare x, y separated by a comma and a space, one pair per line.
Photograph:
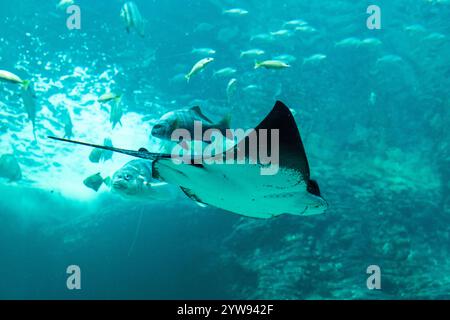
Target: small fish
28, 97
348, 43
415, 28
435, 36
315, 58
286, 58
262, 37
135, 181
272, 64
235, 12
295, 23
7, 76
132, 18
198, 67
251, 87
203, 51
371, 42
116, 113
10, 168
107, 155
100, 155
225, 72
95, 181
68, 126
96, 155
281, 33
107, 97
184, 119
305, 29
133, 178
231, 88
252, 53
389, 59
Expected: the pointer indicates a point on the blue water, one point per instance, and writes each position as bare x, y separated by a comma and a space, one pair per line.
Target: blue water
373, 113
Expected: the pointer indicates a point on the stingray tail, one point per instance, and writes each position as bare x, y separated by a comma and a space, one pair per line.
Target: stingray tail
142, 153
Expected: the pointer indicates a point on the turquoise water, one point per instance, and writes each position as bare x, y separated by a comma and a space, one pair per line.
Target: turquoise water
373, 107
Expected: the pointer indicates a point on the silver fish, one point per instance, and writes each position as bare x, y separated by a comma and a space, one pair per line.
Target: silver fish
135, 180
185, 119
132, 18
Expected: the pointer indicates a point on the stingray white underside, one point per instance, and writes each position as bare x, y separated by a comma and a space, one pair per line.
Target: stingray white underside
240, 188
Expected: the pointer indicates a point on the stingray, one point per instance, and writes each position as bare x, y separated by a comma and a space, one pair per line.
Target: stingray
240, 187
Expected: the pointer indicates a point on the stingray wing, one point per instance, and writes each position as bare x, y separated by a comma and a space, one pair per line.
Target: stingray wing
291, 150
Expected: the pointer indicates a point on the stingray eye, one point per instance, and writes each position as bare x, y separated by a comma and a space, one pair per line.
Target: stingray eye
128, 177
157, 127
